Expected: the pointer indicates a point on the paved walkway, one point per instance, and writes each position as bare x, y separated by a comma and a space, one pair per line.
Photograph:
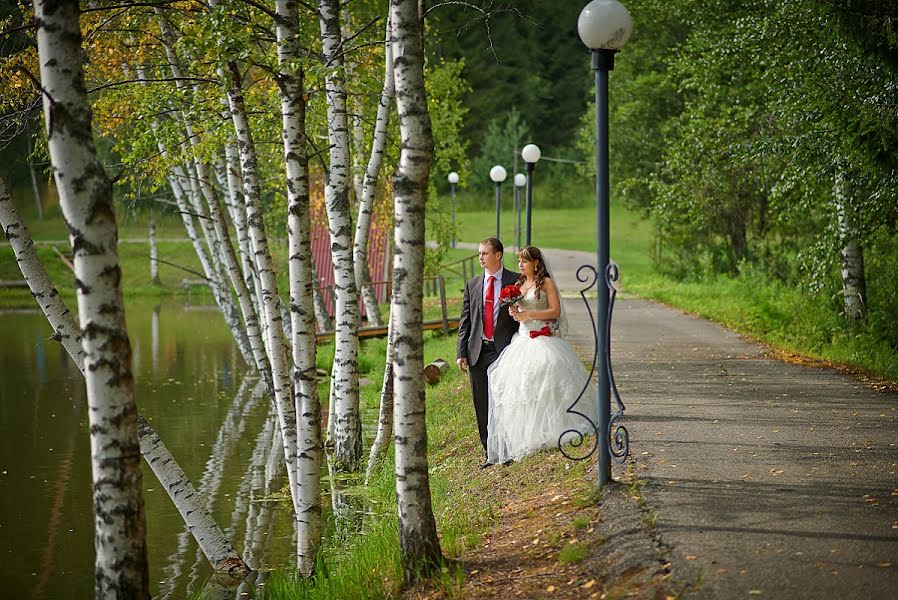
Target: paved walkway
763, 478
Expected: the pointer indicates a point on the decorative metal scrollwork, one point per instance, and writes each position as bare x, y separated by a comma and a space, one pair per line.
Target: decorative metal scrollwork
618, 439
585, 274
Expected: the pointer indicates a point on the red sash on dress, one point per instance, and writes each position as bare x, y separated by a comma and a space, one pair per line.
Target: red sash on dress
544, 331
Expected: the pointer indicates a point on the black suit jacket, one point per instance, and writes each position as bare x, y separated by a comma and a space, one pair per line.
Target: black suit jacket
470, 326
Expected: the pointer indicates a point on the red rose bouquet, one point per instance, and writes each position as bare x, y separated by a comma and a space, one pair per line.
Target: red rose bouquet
509, 295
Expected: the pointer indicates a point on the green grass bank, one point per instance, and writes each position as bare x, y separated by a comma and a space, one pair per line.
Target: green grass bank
750, 303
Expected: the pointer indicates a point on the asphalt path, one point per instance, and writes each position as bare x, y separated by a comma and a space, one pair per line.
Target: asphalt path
762, 478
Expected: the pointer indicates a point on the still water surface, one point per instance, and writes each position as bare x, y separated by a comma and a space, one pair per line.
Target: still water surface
191, 383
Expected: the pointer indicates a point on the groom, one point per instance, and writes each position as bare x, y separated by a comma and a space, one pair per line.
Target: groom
484, 330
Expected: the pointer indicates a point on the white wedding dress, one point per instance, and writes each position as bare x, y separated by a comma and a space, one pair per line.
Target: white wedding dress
532, 384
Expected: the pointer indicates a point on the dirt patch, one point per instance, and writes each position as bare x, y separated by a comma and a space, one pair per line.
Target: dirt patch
556, 537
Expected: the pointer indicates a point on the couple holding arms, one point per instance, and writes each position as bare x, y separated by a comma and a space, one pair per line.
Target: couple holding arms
523, 374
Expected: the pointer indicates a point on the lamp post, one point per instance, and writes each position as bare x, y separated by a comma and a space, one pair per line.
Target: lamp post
498, 175
453, 179
604, 27
530, 153
520, 180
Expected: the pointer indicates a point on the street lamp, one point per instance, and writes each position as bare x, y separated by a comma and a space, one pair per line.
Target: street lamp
498, 175
453, 179
520, 180
530, 153
604, 27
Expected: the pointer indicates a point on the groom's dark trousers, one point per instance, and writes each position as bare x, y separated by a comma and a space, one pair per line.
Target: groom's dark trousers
479, 354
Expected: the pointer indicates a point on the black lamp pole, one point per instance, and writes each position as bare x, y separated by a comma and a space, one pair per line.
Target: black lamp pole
497, 209
530, 166
602, 62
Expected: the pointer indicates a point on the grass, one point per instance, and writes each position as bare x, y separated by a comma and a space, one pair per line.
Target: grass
572, 553
750, 303
368, 566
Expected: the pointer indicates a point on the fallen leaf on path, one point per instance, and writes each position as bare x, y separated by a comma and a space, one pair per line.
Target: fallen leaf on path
776, 471
884, 565
550, 589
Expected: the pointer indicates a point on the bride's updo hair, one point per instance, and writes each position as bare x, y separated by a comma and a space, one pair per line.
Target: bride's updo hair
540, 273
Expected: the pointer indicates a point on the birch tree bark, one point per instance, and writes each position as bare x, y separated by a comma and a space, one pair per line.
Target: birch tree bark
212, 541
85, 194
235, 185
65, 329
154, 252
385, 418
291, 80
322, 318
344, 402
854, 283
418, 542
264, 264
220, 231
366, 199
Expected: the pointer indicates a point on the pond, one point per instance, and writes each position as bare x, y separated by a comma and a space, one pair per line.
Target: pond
192, 385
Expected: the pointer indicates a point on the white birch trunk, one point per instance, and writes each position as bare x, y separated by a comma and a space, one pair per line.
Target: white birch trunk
854, 283
196, 181
235, 187
344, 402
267, 278
418, 542
251, 318
85, 195
211, 539
305, 379
322, 318
67, 332
154, 252
65, 329
366, 202
385, 418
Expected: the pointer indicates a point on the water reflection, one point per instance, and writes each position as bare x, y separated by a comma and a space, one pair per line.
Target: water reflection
191, 385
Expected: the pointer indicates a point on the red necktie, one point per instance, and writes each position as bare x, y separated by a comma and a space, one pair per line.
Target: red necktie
488, 325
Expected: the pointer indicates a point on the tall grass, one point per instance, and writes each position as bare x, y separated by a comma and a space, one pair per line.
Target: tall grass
367, 565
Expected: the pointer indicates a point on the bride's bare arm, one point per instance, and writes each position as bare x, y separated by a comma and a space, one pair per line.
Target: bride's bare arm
548, 314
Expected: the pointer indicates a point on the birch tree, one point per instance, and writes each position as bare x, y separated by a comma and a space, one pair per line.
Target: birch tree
854, 285
291, 78
154, 252
418, 542
344, 401
385, 417
85, 195
233, 82
369, 186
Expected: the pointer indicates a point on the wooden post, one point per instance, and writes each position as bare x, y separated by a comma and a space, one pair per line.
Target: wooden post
434, 371
442, 284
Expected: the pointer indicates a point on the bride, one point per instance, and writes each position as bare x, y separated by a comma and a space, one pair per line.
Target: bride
538, 375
